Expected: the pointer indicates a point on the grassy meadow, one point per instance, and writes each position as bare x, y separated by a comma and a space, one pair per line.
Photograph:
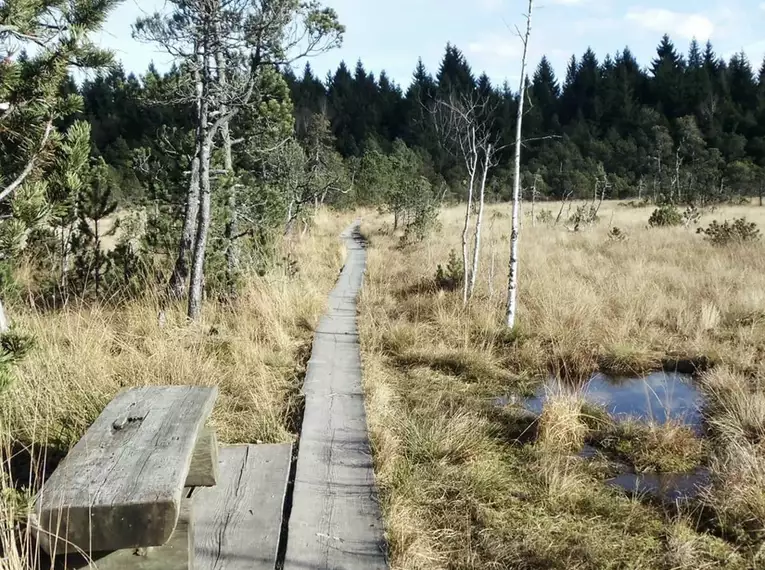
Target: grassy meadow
467, 484
464, 484
254, 351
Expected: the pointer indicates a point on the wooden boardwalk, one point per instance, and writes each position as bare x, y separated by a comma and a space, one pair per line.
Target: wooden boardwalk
238, 522
149, 488
335, 521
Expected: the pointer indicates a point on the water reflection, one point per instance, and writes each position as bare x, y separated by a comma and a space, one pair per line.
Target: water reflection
658, 397
669, 487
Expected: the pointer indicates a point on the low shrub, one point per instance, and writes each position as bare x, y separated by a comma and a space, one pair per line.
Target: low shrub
616, 234
451, 277
545, 217
665, 215
738, 231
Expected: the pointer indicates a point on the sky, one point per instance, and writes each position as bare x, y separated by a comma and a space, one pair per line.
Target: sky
392, 34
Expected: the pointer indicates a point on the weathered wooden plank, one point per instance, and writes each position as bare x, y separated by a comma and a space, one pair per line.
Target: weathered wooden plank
238, 522
120, 486
335, 522
204, 463
177, 554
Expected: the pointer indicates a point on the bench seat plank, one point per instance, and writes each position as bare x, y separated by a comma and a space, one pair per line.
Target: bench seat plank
238, 522
121, 485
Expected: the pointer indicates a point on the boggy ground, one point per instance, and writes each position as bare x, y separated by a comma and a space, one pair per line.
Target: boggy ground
465, 484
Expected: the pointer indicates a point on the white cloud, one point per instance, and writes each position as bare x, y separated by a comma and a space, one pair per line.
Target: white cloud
674, 23
568, 2
496, 46
762, 5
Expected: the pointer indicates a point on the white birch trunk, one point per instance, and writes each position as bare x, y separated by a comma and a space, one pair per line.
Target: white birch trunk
465, 233
3, 319
512, 281
232, 222
479, 223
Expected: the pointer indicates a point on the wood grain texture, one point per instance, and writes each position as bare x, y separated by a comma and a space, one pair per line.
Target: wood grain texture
120, 486
203, 471
238, 522
177, 554
335, 522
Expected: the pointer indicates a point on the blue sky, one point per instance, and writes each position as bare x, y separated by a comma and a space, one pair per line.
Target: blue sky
392, 34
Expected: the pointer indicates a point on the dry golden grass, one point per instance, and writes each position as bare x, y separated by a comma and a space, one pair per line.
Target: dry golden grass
560, 425
253, 351
587, 302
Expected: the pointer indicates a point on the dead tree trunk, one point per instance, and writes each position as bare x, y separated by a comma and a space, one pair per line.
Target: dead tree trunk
512, 281
204, 143
177, 284
479, 222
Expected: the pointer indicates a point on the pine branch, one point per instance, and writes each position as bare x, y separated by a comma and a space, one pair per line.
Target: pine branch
30, 165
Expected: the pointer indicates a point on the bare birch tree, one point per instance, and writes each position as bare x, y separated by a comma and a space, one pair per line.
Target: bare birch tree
464, 127
488, 162
512, 281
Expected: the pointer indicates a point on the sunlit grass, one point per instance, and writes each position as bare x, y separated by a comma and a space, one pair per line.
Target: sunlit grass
587, 303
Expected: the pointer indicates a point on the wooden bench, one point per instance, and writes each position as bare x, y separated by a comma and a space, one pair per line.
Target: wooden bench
147, 487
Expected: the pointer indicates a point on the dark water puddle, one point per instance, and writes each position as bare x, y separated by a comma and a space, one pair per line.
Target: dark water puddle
657, 397
667, 487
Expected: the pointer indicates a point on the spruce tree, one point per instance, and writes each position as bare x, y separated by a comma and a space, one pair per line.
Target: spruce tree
454, 75
667, 86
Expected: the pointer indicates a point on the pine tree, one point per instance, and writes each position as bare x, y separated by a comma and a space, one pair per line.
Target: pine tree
343, 110
30, 87
95, 205
544, 93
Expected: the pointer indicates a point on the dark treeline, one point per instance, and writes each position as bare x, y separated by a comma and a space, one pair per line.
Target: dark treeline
687, 126
686, 129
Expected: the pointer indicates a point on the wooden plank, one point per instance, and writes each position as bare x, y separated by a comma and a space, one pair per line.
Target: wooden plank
177, 554
335, 520
238, 522
204, 463
120, 486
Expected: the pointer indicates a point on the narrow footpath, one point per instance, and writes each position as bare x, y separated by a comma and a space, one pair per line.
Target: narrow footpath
335, 521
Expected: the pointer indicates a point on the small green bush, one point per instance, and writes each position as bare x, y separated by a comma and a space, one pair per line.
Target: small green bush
14, 346
451, 277
738, 231
664, 216
584, 215
615, 234
545, 217
692, 215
